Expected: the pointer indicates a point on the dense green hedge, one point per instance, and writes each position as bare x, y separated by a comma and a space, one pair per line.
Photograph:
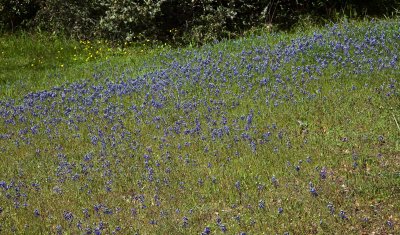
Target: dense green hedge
177, 20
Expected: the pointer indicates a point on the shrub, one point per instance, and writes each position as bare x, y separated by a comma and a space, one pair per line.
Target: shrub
128, 20
175, 20
77, 18
15, 14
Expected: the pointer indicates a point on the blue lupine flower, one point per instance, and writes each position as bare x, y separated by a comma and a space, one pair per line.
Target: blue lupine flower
97, 231
261, 204
68, 216
313, 191
322, 173
3, 184
237, 185
389, 223
207, 230
185, 222
342, 215
237, 218
153, 222
223, 228
36, 212
133, 211
59, 229
274, 181
79, 225
297, 168
331, 208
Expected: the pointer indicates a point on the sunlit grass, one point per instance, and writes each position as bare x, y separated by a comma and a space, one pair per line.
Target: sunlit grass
31, 62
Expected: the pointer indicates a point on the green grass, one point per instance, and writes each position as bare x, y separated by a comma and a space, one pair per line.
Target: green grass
36, 61
342, 119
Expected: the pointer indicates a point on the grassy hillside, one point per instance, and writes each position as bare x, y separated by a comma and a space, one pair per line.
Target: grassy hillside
274, 133
32, 62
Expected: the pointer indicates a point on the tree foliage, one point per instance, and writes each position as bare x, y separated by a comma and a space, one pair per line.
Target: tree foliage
178, 20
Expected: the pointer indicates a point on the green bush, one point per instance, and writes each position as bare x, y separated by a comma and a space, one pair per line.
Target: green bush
128, 20
375, 7
76, 18
179, 21
16, 14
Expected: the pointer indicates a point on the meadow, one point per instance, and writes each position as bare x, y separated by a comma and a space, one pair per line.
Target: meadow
273, 133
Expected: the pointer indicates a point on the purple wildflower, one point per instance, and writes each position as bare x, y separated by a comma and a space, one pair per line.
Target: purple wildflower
274, 181
206, 231
68, 216
261, 204
237, 185
322, 173
342, 215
